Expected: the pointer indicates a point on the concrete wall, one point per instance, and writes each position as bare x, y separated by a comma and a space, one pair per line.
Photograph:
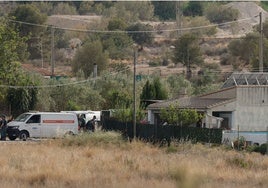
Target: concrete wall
252, 108
226, 107
150, 117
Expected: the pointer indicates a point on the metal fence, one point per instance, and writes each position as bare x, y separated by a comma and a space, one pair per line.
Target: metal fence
157, 133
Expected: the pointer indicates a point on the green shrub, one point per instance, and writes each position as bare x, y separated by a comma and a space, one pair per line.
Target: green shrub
212, 66
260, 149
240, 162
220, 14
171, 149
225, 59
153, 64
212, 51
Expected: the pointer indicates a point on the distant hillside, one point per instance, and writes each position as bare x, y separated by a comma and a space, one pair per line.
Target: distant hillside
248, 16
246, 10
72, 21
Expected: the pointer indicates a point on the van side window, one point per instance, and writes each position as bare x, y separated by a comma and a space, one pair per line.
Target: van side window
34, 119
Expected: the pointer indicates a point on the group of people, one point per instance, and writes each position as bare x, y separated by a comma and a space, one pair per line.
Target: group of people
87, 126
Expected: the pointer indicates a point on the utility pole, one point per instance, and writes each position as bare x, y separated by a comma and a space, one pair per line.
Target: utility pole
267, 140
95, 72
261, 45
41, 51
178, 18
52, 51
134, 94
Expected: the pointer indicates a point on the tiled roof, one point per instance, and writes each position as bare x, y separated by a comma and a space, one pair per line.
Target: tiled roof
31, 68
190, 102
209, 100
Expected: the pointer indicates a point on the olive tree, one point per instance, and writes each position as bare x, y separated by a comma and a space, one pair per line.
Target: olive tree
90, 54
140, 33
177, 116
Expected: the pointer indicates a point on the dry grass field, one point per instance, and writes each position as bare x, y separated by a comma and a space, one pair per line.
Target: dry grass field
106, 160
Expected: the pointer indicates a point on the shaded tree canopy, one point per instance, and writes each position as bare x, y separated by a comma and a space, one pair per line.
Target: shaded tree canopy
152, 91
87, 56
117, 24
139, 36
193, 8
12, 49
188, 52
177, 116
247, 50
165, 10
217, 13
30, 14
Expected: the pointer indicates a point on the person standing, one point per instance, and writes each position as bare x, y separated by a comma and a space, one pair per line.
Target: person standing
3, 127
91, 124
82, 121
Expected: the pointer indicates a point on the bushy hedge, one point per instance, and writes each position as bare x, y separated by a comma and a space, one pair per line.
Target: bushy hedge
260, 149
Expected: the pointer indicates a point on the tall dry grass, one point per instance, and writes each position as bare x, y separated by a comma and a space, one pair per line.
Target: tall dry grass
107, 160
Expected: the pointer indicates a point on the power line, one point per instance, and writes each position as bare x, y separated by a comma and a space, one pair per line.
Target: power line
102, 31
123, 31
65, 84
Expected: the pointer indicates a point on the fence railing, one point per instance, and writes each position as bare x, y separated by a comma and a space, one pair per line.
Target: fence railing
156, 133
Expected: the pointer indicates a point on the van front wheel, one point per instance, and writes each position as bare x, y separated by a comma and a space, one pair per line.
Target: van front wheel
12, 137
24, 135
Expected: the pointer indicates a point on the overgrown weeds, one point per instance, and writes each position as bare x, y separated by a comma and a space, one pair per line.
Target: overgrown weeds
240, 162
105, 159
97, 139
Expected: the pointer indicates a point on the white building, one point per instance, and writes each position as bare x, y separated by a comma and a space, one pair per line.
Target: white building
241, 104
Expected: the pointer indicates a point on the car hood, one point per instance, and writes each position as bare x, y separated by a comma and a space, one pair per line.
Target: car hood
15, 123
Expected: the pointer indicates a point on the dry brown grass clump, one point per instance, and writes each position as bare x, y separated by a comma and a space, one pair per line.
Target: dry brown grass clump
106, 160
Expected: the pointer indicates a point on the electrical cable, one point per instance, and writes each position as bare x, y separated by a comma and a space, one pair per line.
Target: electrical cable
64, 84
122, 31
116, 31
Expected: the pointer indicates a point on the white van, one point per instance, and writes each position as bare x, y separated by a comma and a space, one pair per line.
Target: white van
42, 125
88, 114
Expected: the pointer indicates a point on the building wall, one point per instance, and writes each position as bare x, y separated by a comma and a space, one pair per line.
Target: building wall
225, 107
252, 108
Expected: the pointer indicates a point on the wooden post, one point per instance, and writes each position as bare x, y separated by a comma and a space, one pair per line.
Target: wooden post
238, 137
134, 94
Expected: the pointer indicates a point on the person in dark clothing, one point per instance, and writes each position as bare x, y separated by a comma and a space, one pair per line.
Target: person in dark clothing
3, 127
199, 123
82, 121
91, 124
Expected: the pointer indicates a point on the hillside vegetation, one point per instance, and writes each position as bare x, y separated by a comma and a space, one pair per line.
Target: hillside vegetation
191, 53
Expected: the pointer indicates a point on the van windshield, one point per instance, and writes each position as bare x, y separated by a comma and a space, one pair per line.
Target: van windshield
22, 117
